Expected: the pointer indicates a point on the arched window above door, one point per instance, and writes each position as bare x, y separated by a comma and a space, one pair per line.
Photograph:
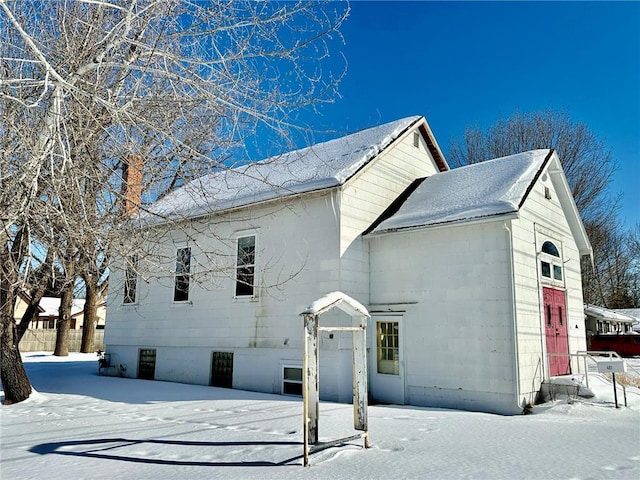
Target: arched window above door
549, 248
551, 266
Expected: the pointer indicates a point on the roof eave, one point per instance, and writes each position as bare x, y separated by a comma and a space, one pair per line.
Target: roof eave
432, 144
225, 210
452, 223
423, 127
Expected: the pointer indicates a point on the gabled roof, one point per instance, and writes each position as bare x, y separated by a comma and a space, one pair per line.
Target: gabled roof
336, 299
324, 165
484, 190
495, 187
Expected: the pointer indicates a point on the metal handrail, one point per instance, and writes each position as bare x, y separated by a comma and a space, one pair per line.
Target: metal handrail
592, 355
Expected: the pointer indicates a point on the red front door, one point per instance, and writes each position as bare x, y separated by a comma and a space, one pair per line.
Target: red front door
556, 331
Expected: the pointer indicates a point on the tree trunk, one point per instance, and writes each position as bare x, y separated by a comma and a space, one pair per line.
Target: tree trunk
90, 316
64, 317
30, 312
14, 378
36, 296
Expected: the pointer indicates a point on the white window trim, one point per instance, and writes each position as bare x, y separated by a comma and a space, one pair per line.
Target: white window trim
553, 262
137, 287
188, 301
282, 379
256, 282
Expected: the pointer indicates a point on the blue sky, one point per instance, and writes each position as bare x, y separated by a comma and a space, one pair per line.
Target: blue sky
471, 63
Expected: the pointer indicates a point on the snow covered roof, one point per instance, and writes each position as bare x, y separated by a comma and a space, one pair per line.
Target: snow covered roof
606, 314
631, 312
491, 188
336, 299
320, 166
51, 305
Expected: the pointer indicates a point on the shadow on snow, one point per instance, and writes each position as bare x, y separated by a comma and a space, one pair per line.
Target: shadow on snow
102, 445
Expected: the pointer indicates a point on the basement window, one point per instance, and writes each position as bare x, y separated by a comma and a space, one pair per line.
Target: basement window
291, 380
147, 363
222, 369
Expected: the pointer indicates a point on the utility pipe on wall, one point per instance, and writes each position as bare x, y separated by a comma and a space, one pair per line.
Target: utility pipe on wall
516, 369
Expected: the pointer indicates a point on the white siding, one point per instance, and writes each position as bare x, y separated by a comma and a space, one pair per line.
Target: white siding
307, 246
458, 327
297, 262
543, 219
366, 197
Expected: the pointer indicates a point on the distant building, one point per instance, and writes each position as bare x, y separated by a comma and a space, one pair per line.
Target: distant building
48, 314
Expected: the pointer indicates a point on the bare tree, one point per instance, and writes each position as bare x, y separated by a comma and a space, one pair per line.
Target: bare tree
586, 161
614, 280
88, 85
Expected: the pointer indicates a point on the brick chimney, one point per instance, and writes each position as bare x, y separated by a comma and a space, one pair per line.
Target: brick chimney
132, 184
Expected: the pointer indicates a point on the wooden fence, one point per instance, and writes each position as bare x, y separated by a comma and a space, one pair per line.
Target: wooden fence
45, 341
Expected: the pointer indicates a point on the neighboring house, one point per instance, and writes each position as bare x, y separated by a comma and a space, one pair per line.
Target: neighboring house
634, 313
22, 303
48, 315
472, 276
602, 320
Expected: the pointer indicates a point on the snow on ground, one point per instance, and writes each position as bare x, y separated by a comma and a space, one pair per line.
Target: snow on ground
80, 425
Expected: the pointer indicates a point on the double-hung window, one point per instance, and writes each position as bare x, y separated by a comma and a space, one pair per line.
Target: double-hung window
182, 276
245, 266
131, 281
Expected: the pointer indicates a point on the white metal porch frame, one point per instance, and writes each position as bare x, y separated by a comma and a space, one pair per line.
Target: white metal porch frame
310, 389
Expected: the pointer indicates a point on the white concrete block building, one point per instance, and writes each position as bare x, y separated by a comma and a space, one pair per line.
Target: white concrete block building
472, 276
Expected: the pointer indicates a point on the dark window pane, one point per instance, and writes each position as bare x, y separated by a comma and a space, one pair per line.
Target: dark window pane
293, 374
245, 261
557, 272
222, 369
183, 260
244, 281
289, 388
131, 280
181, 290
183, 268
546, 269
130, 291
548, 310
551, 249
147, 364
246, 250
